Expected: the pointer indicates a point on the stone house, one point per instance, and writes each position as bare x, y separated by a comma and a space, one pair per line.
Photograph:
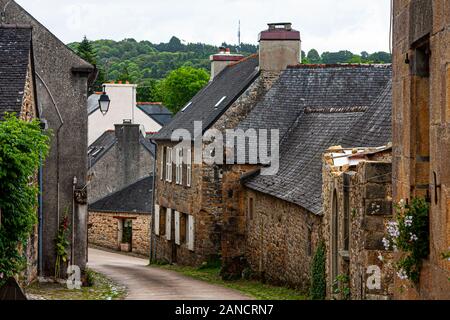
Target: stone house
123, 218
189, 200
274, 222
18, 96
357, 204
421, 129
150, 116
62, 80
118, 159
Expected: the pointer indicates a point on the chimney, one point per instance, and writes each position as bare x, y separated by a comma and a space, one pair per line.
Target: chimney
128, 153
279, 47
220, 60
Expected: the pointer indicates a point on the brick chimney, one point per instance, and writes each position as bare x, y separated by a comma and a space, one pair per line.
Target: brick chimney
279, 47
222, 59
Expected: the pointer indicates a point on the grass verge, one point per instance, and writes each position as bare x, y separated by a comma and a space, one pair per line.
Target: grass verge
102, 289
253, 289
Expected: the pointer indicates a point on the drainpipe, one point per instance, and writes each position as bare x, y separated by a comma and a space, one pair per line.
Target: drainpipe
152, 232
41, 227
72, 251
57, 146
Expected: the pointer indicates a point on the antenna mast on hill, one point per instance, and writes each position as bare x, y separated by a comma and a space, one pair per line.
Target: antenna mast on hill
239, 36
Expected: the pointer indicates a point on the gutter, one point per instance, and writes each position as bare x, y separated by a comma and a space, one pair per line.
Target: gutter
152, 233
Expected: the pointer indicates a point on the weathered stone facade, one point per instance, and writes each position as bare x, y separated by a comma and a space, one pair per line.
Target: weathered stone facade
421, 112
126, 162
204, 199
62, 80
357, 203
106, 230
281, 239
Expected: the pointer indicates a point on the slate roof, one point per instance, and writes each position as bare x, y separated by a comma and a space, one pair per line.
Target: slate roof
15, 50
230, 83
92, 103
156, 111
136, 198
106, 141
316, 107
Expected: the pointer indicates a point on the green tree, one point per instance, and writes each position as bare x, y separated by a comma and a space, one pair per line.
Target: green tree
314, 56
180, 86
86, 51
23, 147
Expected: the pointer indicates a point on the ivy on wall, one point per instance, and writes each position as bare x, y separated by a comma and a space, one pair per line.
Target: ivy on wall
318, 288
22, 146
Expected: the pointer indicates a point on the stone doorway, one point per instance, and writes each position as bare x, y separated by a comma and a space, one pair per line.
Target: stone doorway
126, 237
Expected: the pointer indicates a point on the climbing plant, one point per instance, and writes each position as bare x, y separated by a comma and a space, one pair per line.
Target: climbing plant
62, 245
409, 234
22, 146
318, 285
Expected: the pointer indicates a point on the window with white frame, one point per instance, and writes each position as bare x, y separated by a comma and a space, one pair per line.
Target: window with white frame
179, 166
188, 167
156, 219
190, 233
169, 164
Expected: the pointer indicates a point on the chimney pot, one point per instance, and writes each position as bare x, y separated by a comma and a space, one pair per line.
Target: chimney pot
279, 47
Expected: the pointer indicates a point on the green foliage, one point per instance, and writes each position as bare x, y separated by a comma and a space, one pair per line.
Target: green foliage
409, 234
313, 56
318, 287
22, 146
341, 287
62, 245
180, 86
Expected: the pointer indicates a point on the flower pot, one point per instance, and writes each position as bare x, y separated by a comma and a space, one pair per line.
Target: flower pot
125, 247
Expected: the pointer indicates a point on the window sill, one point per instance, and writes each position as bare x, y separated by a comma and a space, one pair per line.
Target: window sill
344, 255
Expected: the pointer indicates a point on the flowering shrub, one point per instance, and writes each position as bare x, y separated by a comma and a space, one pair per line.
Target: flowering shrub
409, 234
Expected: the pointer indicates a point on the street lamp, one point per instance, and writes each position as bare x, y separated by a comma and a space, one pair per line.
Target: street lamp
104, 102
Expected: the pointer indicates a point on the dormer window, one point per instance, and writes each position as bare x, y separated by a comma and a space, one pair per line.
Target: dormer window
186, 106
220, 102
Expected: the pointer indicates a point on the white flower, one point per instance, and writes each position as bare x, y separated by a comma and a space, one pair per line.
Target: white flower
408, 221
393, 230
386, 243
1, 275
402, 275
380, 257
402, 203
394, 246
414, 237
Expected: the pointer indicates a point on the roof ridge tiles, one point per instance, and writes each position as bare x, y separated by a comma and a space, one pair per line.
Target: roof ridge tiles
339, 65
254, 55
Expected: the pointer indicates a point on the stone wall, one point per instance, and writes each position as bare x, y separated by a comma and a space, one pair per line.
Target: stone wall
421, 114
104, 230
281, 239
62, 84
363, 196
205, 198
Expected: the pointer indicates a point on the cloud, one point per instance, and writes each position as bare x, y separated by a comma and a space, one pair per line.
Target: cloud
326, 25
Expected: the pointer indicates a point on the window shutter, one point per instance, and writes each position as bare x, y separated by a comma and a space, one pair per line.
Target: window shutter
191, 233
169, 224
162, 163
170, 164
156, 220
177, 228
189, 168
180, 164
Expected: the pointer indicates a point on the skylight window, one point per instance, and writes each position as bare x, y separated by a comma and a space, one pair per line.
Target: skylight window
220, 101
186, 106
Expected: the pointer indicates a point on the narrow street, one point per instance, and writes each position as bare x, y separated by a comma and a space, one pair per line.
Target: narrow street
149, 283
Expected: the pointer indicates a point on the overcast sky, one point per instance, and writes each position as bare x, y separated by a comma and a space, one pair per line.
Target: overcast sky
327, 25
